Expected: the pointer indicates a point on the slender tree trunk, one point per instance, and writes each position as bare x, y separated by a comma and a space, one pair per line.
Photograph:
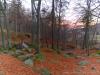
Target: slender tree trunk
53, 16
59, 25
6, 25
34, 25
2, 35
38, 26
1, 27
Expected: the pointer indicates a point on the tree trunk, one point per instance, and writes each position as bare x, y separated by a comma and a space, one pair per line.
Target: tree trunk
53, 16
38, 26
59, 25
6, 25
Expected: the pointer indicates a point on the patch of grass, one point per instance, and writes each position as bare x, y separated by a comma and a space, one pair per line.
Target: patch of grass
98, 53
83, 63
33, 46
45, 71
57, 50
39, 57
95, 54
14, 49
3, 49
67, 55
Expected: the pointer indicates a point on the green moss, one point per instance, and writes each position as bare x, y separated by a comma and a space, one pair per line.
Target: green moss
39, 57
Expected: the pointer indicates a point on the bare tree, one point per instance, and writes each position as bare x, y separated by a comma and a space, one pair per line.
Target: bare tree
88, 12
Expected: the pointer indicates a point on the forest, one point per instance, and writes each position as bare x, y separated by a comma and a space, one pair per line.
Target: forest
49, 37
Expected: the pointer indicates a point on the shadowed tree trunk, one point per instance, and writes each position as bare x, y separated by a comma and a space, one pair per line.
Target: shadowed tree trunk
6, 25
53, 16
38, 26
59, 20
1, 27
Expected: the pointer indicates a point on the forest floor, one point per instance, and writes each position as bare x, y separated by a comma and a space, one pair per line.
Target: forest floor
12, 66
70, 65
53, 64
